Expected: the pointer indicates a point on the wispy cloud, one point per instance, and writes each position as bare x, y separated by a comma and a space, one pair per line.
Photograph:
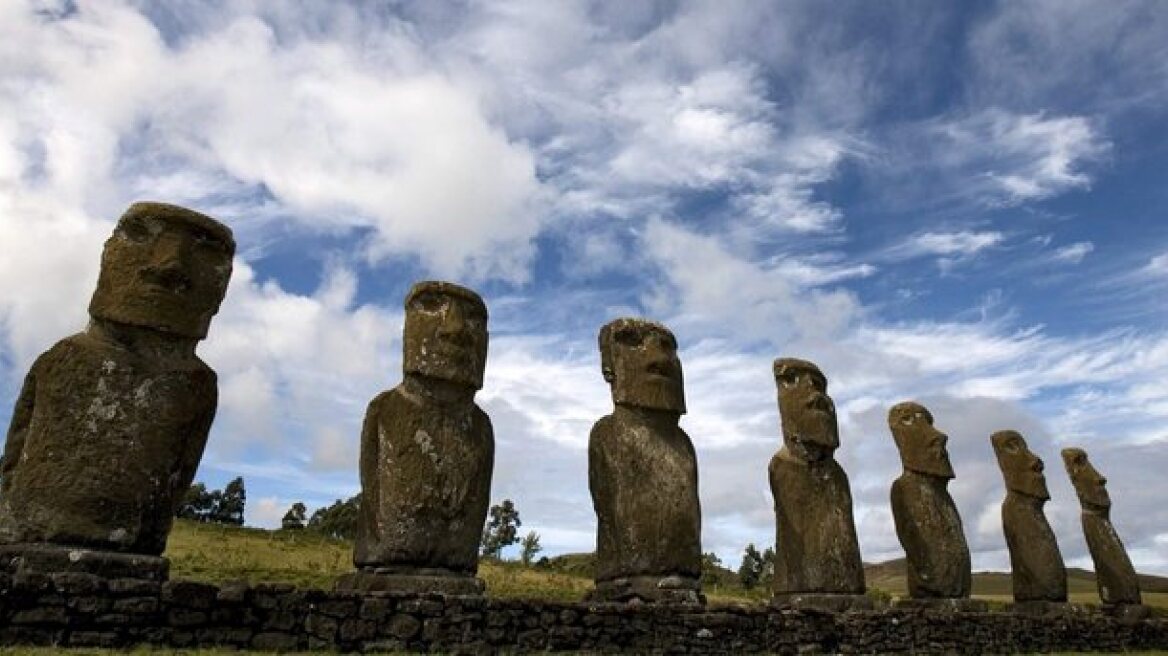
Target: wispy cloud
1073, 253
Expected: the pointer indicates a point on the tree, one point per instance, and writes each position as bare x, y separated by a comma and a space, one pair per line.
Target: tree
197, 504
710, 573
338, 520
750, 572
501, 529
530, 546
294, 518
229, 510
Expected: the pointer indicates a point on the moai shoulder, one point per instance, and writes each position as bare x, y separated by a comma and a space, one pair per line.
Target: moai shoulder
111, 423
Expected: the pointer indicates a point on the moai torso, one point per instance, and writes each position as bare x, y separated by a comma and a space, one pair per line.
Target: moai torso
426, 483
927, 523
1114, 574
644, 482
111, 423
816, 550
427, 451
642, 470
1036, 564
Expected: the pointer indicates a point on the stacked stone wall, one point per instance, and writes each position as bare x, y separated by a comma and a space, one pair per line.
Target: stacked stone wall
77, 609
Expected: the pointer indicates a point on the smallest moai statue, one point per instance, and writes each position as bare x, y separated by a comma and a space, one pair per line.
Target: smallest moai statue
1119, 588
1036, 565
643, 473
927, 522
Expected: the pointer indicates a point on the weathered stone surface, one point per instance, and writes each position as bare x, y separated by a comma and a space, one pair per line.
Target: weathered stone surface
1114, 573
27, 559
642, 471
1036, 565
427, 451
816, 550
111, 422
927, 522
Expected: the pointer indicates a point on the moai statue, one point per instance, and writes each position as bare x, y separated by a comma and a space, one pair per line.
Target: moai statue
427, 453
927, 522
1036, 566
817, 555
110, 425
643, 473
1114, 574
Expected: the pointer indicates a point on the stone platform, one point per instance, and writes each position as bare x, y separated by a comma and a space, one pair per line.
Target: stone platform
51, 559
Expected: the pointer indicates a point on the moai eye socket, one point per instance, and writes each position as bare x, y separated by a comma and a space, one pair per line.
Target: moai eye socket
908, 420
135, 230
628, 337
789, 379
428, 302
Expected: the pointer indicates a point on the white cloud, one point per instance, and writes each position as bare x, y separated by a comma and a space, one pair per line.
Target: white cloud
962, 243
1157, 265
1073, 253
1010, 158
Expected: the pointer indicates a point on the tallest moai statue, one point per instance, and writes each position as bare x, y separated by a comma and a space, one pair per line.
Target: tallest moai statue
111, 422
817, 555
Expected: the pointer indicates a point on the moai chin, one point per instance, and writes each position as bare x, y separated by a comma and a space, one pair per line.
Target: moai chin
1036, 565
427, 454
642, 472
817, 555
1114, 574
111, 423
927, 523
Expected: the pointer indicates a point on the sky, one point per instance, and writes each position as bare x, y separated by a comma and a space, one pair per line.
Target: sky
961, 204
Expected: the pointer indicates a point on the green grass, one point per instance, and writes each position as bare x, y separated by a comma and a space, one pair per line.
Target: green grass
216, 554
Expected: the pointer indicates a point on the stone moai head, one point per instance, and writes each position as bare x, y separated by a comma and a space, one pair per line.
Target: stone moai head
639, 360
922, 447
164, 268
806, 412
1020, 467
1090, 485
445, 333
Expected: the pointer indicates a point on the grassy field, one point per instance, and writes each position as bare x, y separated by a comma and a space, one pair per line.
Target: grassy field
216, 553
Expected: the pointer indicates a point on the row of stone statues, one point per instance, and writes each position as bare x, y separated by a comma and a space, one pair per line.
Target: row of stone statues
111, 423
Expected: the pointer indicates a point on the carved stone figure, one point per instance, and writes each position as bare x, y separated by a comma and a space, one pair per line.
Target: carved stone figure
1036, 564
1114, 573
110, 424
427, 454
642, 472
927, 522
817, 555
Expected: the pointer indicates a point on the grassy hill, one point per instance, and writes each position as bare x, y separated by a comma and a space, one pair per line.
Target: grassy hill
216, 553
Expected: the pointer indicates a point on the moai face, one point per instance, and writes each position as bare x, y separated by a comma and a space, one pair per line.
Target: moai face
1089, 484
1020, 467
445, 333
806, 412
639, 360
922, 447
166, 268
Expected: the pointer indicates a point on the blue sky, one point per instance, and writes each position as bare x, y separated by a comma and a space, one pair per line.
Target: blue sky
961, 204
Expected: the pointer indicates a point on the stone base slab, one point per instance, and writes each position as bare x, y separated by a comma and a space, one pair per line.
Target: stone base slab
426, 582
1046, 608
958, 605
648, 589
1127, 612
837, 602
53, 558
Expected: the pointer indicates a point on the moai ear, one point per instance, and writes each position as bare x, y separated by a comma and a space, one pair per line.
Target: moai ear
608, 373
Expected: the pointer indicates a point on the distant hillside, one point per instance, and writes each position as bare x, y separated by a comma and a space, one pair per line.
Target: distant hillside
890, 576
